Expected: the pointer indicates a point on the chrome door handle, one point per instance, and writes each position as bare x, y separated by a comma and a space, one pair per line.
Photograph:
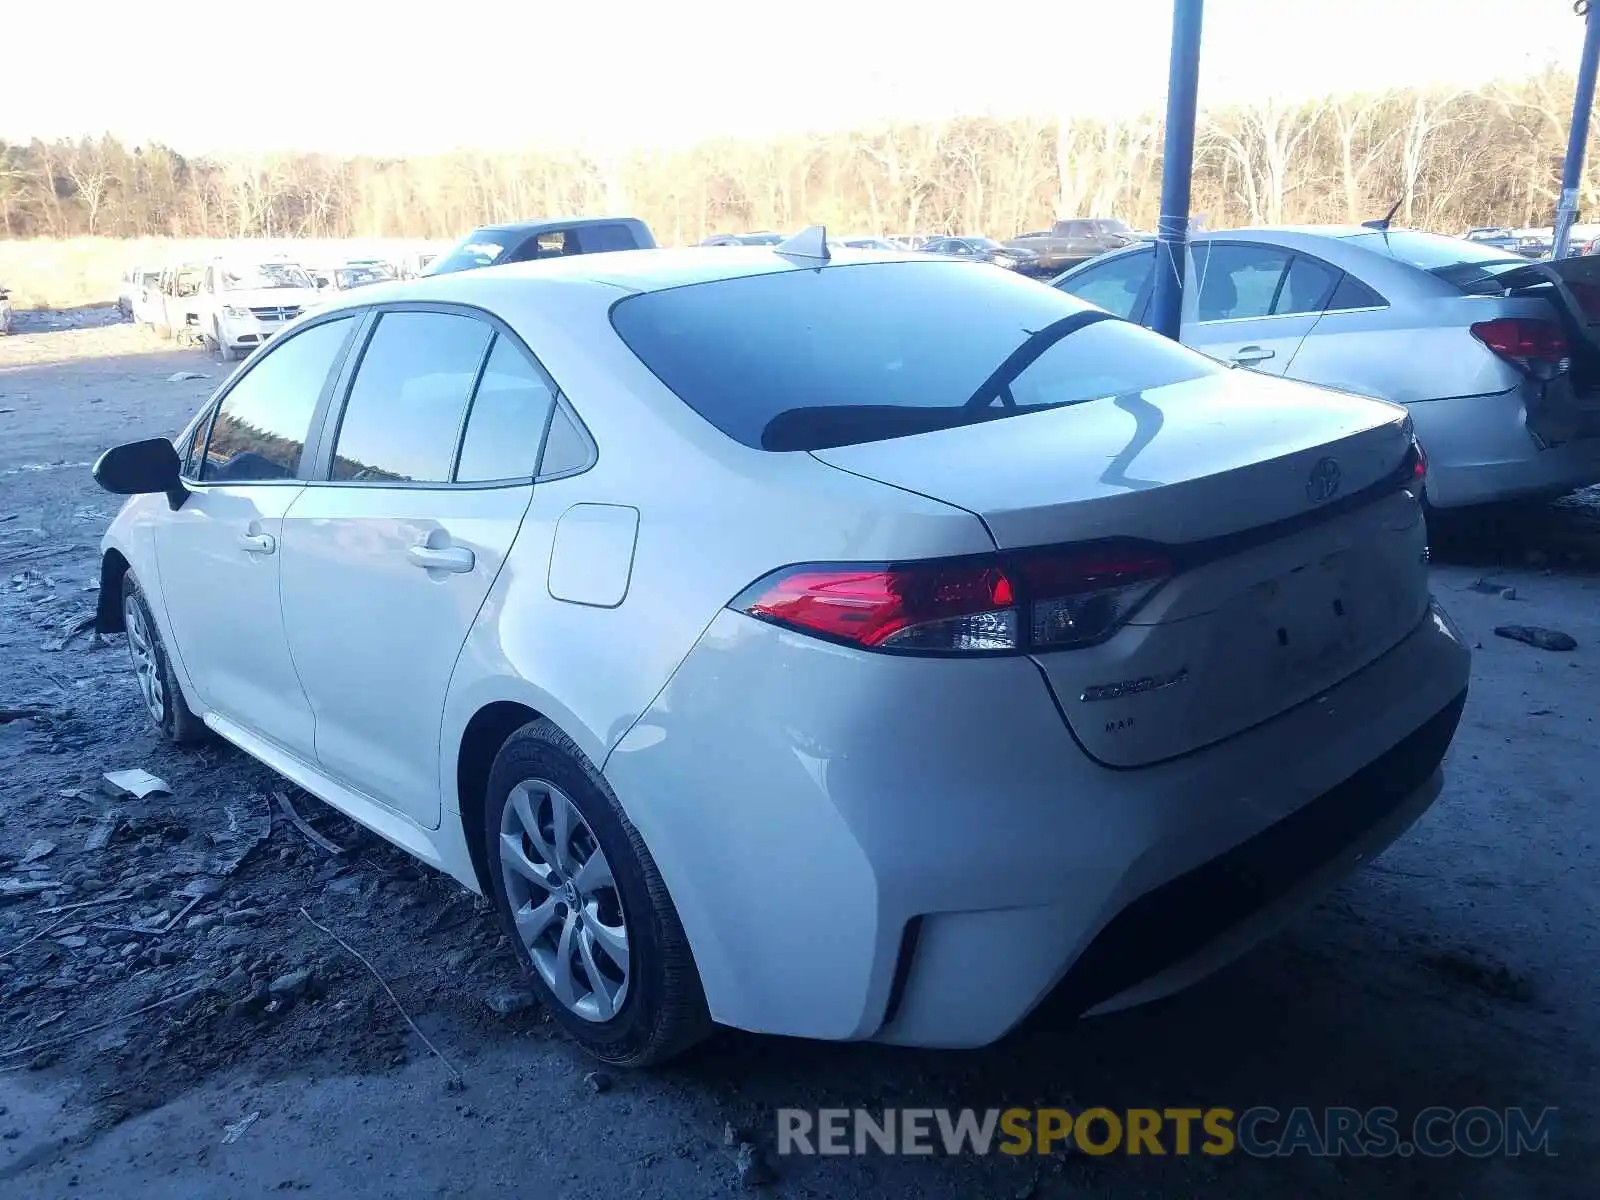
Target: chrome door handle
257, 543
1246, 355
444, 558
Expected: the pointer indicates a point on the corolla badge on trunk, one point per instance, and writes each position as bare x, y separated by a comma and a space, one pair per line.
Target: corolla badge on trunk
1323, 484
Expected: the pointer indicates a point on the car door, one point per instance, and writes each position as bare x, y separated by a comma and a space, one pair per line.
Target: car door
1251, 304
388, 555
218, 554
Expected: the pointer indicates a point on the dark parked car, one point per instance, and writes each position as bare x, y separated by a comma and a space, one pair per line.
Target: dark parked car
492, 245
983, 249
765, 238
1068, 243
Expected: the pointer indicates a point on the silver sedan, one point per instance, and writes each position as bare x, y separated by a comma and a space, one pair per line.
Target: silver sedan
1491, 354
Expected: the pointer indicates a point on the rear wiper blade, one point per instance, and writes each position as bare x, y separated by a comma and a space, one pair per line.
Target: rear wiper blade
1024, 356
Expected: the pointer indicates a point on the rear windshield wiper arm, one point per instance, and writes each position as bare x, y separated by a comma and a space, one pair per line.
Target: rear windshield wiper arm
1024, 356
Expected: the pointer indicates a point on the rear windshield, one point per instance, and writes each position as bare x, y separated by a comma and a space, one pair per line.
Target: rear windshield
1431, 251
804, 360
1471, 266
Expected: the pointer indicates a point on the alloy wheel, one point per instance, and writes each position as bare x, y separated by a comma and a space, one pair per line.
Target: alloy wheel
564, 900
146, 667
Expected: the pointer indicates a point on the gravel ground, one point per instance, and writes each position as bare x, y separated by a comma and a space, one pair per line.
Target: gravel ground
1458, 970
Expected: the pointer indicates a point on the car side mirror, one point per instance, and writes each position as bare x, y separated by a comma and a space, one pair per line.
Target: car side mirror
141, 469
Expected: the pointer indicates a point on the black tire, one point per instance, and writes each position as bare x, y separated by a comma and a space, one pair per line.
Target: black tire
664, 1011
175, 718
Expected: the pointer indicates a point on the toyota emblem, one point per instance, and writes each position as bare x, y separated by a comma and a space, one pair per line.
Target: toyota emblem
1323, 485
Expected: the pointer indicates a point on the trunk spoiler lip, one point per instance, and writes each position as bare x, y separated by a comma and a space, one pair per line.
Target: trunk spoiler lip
1186, 556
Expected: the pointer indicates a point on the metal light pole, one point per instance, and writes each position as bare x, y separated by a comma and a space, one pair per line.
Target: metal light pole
1177, 165
1578, 138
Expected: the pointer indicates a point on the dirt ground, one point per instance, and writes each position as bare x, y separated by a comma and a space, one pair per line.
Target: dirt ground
173, 1024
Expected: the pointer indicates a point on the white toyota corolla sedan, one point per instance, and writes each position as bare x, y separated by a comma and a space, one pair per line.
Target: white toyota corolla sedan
857, 648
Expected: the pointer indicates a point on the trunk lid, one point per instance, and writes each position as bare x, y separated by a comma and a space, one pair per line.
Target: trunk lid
1180, 463
1284, 585
1566, 405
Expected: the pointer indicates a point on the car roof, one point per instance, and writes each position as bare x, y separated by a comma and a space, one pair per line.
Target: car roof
610, 272
554, 223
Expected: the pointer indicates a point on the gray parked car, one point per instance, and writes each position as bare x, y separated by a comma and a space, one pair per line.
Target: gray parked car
1074, 241
1493, 355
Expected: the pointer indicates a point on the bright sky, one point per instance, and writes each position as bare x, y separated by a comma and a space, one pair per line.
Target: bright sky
398, 77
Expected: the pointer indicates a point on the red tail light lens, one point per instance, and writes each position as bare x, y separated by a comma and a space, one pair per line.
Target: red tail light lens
1416, 464
1031, 600
1536, 346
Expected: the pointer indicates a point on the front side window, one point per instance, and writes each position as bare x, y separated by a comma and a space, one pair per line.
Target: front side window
1117, 285
804, 360
1238, 281
193, 448
410, 393
260, 431
509, 412
481, 248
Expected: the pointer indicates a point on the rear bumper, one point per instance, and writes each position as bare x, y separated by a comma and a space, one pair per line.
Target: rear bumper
916, 851
1481, 452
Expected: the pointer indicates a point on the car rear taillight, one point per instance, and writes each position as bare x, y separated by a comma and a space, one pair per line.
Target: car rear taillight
1537, 347
1415, 468
1049, 599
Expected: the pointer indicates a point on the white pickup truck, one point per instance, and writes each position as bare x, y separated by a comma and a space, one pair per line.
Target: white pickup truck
242, 304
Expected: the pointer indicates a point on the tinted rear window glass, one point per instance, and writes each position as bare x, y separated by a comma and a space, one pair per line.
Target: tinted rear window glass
1431, 251
1471, 266
593, 239
802, 360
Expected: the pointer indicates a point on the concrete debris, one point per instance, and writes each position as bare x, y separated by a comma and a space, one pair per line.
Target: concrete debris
753, 1167
234, 1130
21, 889
101, 833
505, 1001
139, 784
294, 984
185, 376
242, 825
1534, 635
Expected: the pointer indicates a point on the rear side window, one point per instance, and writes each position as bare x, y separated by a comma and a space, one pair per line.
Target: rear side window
260, 431
1306, 287
1352, 293
409, 396
594, 239
802, 360
509, 413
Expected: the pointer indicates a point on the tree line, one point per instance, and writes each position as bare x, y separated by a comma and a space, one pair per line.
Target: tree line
1449, 157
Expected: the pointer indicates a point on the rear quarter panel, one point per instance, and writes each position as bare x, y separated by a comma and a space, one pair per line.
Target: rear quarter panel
1407, 352
713, 516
